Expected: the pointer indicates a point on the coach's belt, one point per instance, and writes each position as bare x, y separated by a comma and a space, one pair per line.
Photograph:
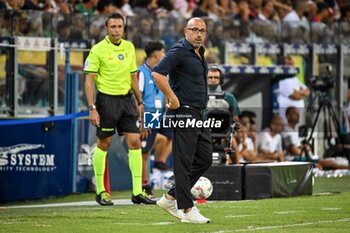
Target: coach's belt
190, 107
193, 108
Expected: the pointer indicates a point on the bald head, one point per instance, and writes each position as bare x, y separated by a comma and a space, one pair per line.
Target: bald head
195, 32
276, 124
192, 22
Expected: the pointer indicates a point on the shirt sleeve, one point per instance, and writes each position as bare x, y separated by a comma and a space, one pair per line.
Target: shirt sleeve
92, 63
234, 108
263, 144
141, 77
133, 65
286, 88
169, 62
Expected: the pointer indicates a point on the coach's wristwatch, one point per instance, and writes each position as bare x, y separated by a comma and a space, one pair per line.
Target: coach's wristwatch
92, 107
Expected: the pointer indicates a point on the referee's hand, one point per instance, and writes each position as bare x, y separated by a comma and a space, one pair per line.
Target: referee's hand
94, 118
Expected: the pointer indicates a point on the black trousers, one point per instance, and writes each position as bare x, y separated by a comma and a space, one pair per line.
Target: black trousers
192, 154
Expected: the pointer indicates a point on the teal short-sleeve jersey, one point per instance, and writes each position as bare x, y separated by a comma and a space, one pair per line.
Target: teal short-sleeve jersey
113, 65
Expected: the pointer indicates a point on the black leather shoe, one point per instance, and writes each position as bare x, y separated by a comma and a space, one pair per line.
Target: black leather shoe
104, 199
142, 199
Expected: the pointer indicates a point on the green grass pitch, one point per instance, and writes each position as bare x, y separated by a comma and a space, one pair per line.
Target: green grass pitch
328, 210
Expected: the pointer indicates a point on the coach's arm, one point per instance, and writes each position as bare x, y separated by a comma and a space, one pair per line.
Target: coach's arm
163, 85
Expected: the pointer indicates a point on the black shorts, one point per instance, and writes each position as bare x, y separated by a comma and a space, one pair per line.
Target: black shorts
147, 143
116, 112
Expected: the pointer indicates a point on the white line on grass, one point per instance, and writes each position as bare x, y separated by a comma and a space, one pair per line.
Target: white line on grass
240, 216
251, 228
145, 224
289, 212
332, 209
79, 203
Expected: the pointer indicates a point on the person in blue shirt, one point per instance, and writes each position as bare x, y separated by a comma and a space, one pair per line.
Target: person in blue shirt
154, 101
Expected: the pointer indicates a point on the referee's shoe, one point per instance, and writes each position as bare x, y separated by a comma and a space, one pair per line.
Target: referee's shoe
142, 198
104, 199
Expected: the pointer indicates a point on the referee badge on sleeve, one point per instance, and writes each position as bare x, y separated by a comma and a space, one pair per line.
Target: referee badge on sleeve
86, 65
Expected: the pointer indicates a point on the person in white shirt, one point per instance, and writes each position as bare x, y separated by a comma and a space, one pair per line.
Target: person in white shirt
270, 143
243, 147
291, 93
296, 150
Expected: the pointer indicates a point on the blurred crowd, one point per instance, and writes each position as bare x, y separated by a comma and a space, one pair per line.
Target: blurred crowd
279, 10
252, 21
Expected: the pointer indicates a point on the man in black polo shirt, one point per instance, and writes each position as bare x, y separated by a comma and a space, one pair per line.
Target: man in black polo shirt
187, 94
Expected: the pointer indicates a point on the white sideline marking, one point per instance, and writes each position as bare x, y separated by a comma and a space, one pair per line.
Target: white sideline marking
144, 224
323, 194
333, 209
251, 228
240, 216
289, 212
79, 203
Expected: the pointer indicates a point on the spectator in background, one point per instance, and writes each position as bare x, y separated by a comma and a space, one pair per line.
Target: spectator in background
36, 25
78, 28
322, 14
146, 8
244, 148
87, 6
96, 27
344, 29
295, 148
243, 12
215, 38
267, 11
125, 7
5, 26
171, 32
270, 140
345, 13
107, 7
201, 10
37, 84
297, 14
291, 92
21, 23
312, 9
63, 30
215, 79
23, 5
248, 120
57, 6
231, 9
144, 32
295, 24
255, 8
244, 18
72, 5
184, 8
